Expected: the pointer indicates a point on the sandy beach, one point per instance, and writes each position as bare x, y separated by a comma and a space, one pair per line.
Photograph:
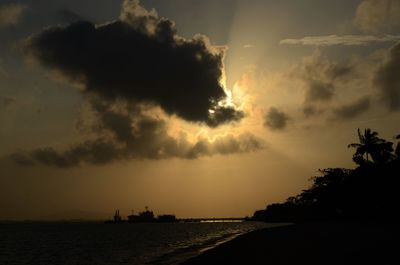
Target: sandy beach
311, 243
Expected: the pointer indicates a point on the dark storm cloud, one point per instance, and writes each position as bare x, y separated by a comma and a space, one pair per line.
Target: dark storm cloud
275, 119
147, 137
133, 137
126, 69
141, 59
350, 111
387, 79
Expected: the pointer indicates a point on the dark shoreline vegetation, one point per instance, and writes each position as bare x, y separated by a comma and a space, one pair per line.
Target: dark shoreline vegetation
347, 216
367, 193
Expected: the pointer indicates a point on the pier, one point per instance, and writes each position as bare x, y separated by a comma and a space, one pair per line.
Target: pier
211, 220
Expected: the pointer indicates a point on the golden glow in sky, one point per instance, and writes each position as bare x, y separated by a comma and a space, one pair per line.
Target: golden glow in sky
210, 125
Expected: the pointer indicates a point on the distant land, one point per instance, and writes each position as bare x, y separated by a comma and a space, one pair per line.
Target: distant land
76, 215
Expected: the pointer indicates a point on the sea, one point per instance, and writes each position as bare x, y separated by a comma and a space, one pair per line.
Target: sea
96, 243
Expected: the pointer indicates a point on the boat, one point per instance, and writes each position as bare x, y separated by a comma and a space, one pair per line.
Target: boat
147, 216
116, 219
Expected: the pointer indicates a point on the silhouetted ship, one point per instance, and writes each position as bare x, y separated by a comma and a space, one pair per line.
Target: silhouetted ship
146, 216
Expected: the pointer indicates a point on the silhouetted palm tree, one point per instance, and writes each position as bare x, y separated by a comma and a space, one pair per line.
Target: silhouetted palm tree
369, 144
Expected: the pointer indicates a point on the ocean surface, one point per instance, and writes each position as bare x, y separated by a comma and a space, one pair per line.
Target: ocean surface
90, 243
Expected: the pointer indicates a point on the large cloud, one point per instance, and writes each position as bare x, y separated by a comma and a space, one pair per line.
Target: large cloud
387, 79
135, 74
10, 14
132, 137
378, 16
141, 59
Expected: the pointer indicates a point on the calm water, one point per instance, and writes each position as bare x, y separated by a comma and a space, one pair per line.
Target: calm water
107, 244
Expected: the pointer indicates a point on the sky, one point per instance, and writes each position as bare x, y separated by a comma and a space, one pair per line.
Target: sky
195, 108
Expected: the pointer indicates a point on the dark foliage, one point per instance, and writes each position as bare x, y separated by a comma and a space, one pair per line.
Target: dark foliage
368, 192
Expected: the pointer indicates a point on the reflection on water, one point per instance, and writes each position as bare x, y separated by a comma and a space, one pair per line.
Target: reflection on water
221, 221
102, 244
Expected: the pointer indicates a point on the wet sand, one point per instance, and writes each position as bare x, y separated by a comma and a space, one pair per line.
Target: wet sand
311, 243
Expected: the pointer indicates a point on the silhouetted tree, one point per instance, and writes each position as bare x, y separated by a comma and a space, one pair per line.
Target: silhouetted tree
368, 192
397, 152
371, 145
383, 152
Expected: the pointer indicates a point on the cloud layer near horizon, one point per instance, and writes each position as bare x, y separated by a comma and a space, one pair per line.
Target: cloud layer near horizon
136, 137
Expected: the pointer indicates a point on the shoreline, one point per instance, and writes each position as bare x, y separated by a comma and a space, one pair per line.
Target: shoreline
234, 236
308, 243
